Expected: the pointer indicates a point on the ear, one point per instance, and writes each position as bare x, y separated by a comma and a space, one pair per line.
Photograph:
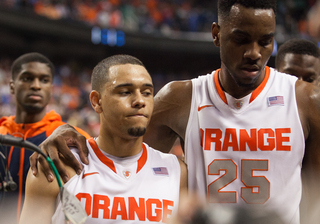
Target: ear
96, 101
215, 31
11, 86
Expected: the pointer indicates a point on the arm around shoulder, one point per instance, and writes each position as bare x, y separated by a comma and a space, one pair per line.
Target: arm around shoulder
170, 115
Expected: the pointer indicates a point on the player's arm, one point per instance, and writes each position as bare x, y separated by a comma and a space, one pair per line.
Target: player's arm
308, 101
57, 147
170, 115
40, 198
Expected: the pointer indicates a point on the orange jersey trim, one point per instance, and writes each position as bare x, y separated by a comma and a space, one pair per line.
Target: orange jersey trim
218, 87
108, 162
105, 160
258, 90
143, 159
254, 94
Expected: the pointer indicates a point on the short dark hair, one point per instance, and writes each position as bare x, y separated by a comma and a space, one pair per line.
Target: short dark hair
296, 46
30, 57
224, 6
100, 72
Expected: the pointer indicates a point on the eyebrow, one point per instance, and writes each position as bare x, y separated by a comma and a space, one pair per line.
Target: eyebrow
32, 74
130, 84
236, 31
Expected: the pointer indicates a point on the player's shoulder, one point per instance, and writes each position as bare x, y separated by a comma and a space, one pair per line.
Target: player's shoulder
307, 91
308, 99
175, 90
160, 155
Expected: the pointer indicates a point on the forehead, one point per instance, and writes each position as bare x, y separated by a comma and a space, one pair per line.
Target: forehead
35, 68
128, 73
245, 19
301, 60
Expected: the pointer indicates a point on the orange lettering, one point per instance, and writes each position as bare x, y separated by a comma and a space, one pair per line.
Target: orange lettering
97, 205
216, 139
119, 208
166, 210
88, 199
271, 142
265, 139
158, 212
245, 139
135, 209
230, 140
280, 139
154, 210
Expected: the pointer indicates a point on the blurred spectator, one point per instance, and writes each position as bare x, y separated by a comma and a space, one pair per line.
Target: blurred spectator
165, 16
143, 15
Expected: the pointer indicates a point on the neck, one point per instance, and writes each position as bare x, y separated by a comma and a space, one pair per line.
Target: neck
118, 146
27, 118
229, 85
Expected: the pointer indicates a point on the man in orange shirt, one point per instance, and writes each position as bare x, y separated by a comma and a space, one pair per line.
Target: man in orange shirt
31, 85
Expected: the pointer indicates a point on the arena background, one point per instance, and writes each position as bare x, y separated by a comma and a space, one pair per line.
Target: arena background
171, 37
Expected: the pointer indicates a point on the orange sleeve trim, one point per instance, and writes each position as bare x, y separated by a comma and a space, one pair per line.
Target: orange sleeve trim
218, 87
258, 90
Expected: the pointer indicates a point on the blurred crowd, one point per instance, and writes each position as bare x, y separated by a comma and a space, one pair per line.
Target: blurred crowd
156, 16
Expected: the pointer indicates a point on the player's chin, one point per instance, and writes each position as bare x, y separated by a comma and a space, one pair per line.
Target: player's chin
137, 131
33, 108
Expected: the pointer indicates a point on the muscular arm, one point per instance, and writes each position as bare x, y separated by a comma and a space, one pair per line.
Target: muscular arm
170, 115
40, 198
308, 100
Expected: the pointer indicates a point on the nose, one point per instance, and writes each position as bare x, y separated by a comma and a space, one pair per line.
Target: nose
253, 51
36, 84
138, 100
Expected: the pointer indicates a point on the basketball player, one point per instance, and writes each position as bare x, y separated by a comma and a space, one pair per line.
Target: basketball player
300, 58
125, 179
245, 128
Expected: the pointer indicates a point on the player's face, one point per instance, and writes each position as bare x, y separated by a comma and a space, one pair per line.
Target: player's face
127, 100
32, 87
246, 40
305, 67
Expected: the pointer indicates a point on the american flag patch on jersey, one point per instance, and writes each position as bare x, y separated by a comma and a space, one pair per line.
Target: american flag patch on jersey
160, 171
275, 100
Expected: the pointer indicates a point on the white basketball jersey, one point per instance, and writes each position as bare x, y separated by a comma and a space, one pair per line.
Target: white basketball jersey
143, 189
246, 151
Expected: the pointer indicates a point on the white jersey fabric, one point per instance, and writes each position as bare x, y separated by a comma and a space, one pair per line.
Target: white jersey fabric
246, 151
140, 189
